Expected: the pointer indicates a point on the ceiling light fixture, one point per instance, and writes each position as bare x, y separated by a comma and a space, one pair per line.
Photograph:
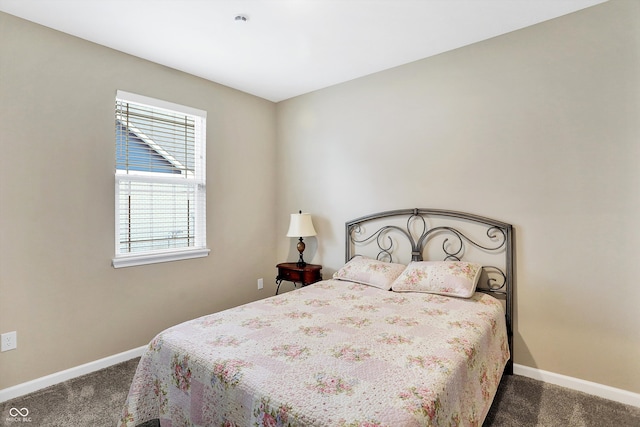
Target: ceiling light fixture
241, 18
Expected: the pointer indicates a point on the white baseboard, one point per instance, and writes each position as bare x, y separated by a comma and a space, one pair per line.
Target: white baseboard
595, 389
58, 377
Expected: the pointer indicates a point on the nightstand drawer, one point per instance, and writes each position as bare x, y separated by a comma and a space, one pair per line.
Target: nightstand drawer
290, 275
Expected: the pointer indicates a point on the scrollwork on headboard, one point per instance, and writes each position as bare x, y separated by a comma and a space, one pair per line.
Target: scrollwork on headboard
435, 234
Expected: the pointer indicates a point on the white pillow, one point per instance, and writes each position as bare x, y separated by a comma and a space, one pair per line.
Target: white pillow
451, 278
370, 272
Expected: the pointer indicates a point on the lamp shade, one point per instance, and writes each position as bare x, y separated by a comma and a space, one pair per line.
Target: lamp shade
301, 225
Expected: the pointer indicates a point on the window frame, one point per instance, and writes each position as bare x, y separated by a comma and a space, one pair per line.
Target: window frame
199, 250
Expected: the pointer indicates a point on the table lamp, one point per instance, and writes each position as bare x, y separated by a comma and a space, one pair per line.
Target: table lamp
301, 226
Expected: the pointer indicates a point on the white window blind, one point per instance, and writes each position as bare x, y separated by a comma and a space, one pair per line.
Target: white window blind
160, 181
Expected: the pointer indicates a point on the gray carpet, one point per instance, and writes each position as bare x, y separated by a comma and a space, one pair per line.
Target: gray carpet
95, 400
522, 401
92, 400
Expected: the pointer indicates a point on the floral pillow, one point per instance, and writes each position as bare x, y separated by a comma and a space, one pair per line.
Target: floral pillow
370, 272
451, 278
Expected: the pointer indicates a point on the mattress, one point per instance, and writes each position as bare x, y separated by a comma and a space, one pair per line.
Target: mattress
334, 353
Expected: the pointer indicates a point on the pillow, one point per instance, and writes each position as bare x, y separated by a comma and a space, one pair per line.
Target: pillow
370, 272
451, 278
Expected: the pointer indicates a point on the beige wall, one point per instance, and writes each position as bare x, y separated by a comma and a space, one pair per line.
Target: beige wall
57, 287
539, 128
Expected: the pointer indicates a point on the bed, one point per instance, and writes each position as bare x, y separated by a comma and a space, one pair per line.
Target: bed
389, 340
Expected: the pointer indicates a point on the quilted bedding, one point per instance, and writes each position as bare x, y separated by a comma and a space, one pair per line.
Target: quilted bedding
330, 354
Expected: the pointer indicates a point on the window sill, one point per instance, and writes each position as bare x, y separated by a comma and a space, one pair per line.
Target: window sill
133, 260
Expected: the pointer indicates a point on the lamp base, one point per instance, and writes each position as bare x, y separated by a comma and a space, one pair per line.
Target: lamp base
301, 246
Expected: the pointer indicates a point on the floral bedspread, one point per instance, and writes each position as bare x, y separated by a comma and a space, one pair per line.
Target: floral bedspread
330, 354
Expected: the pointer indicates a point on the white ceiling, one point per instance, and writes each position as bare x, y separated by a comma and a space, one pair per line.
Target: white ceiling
287, 47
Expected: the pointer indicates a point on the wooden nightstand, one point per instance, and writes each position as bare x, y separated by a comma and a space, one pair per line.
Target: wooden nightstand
290, 272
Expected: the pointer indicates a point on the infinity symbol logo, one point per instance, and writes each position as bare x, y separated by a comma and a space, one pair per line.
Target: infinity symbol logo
14, 412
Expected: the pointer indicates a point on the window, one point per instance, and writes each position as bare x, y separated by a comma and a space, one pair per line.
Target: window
160, 181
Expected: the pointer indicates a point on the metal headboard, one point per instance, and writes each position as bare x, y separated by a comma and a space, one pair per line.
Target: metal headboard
491, 246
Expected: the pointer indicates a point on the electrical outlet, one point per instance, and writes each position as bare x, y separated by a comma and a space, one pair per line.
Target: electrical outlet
260, 283
9, 341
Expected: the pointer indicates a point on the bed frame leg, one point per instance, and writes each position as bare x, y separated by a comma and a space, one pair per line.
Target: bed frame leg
508, 369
